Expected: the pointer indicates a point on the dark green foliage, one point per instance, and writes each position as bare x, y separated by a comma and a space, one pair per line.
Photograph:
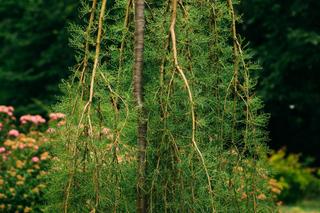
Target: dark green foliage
33, 52
205, 134
286, 38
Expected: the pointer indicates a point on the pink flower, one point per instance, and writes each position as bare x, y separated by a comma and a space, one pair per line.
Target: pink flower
51, 130
107, 132
22, 146
7, 110
53, 116
56, 116
36, 147
13, 132
35, 119
61, 123
2, 149
35, 159
1, 125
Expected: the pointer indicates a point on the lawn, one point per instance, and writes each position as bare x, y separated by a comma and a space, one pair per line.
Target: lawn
306, 206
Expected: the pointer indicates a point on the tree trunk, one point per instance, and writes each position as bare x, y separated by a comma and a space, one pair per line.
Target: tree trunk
138, 93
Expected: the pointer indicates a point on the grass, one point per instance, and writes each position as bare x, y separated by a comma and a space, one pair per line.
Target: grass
306, 206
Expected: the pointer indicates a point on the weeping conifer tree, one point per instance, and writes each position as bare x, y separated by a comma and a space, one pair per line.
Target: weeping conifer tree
202, 129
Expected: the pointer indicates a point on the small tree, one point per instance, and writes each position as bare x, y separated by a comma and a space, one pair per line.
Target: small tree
205, 132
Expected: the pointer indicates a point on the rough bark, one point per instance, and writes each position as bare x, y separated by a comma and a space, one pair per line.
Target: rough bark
138, 93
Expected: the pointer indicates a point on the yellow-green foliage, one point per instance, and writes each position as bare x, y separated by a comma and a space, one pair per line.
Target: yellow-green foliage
297, 180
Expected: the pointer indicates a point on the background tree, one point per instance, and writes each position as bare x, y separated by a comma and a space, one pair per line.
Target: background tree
286, 38
34, 51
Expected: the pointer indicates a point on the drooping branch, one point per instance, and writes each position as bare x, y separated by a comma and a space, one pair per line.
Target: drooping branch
95, 65
121, 58
84, 62
87, 107
87, 35
238, 57
97, 54
190, 95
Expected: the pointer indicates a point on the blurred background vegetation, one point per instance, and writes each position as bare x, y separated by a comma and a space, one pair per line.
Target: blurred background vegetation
286, 38
34, 53
284, 35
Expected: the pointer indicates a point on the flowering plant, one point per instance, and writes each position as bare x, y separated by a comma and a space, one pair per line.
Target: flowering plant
24, 160
10, 127
7, 121
22, 166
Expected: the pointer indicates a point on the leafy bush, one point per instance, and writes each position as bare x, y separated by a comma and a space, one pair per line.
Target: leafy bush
297, 180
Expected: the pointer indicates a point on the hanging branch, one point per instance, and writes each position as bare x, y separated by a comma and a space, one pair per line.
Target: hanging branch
96, 59
186, 82
85, 63
123, 40
87, 34
238, 56
86, 52
95, 66
138, 93
87, 107
94, 70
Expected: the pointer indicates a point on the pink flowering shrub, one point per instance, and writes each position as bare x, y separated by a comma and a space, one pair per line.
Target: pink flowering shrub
32, 122
33, 119
23, 164
10, 126
57, 119
24, 159
7, 110
14, 133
